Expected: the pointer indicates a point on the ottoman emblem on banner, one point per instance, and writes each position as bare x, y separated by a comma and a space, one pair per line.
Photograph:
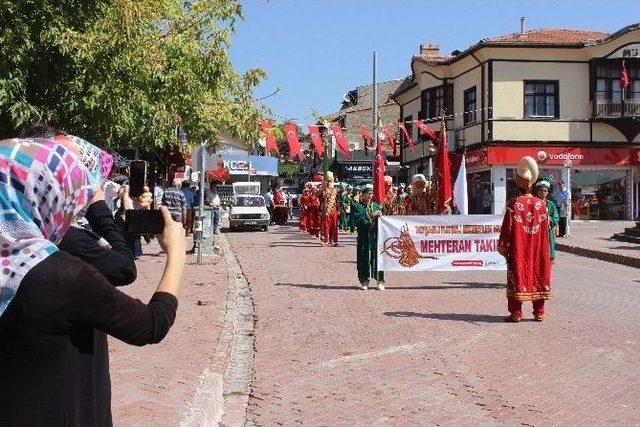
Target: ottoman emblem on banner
403, 249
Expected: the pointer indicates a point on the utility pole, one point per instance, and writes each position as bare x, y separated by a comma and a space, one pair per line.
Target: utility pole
374, 130
199, 229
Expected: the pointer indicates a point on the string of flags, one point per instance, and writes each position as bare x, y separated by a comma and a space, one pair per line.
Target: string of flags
335, 130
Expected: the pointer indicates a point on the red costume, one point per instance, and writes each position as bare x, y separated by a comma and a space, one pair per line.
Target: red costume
524, 241
281, 207
313, 213
330, 215
304, 210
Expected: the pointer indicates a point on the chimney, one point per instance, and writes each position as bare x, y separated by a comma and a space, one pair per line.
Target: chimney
429, 50
522, 25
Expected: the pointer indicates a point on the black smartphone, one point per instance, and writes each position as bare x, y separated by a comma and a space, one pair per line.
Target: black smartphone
144, 221
137, 177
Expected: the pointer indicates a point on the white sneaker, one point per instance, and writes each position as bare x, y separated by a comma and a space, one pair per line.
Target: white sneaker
364, 286
381, 286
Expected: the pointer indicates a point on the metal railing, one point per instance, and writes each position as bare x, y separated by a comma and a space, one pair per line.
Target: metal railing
610, 109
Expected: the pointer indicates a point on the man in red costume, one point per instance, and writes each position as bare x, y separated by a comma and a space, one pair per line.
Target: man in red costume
281, 206
330, 205
524, 242
422, 199
313, 213
305, 200
390, 205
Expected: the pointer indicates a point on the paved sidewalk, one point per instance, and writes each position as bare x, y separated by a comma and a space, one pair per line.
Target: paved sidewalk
154, 385
433, 348
593, 239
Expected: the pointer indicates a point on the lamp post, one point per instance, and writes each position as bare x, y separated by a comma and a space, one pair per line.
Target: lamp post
567, 165
431, 149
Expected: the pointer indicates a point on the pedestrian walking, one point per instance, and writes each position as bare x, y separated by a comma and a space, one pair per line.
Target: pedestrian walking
215, 209
188, 205
524, 242
366, 213
173, 198
542, 189
562, 197
268, 200
51, 303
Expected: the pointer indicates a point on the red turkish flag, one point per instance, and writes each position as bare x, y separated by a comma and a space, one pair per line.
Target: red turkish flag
341, 140
316, 139
407, 137
379, 169
266, 126
445, 189
426, 130
365, 135
291, 132
624, 77
392, 141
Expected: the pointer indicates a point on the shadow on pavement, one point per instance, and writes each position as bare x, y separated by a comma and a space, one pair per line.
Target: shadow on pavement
312, 286
477, 285
459, 317
392, 288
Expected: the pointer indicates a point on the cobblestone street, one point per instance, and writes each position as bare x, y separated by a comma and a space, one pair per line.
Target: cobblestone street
432, 348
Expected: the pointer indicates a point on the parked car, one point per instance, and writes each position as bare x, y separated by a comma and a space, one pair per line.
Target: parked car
249, 210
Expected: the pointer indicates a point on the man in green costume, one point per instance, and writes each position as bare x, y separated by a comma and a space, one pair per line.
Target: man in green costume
355, 194
345, 208
542, 189
365, 217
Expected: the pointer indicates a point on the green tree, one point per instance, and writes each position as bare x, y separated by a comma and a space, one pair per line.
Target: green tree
124, 73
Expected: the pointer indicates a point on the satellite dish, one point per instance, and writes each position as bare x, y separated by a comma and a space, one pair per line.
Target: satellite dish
353, 146
346, 98
262, 142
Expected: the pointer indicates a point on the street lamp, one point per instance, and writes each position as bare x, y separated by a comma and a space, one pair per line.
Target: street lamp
567, 165
431, 149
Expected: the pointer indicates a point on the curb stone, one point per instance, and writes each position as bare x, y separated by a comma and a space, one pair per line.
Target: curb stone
603, 256
223, 393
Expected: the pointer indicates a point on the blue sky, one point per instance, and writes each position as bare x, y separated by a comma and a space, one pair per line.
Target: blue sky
316, 50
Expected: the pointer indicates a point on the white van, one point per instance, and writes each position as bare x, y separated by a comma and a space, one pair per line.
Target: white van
252, 188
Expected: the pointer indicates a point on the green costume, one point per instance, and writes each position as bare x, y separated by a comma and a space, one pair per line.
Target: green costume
367, 248
353, 199
554, 219
345, 211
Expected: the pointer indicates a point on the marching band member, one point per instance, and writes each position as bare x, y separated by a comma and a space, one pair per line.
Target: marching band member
422, 198
365, 216
329, 212
524, 242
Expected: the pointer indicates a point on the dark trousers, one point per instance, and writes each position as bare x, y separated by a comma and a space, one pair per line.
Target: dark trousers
271, 214
562, 225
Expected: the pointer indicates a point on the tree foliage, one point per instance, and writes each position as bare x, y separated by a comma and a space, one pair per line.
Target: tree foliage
124, 73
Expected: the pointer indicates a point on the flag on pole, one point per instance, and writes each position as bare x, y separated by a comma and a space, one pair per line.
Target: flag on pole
624, 77
316, 139
341, 141
392, 141
291, 133
407, 137
445, 192
271, 145
365, 135
426, 130
378, 174
460, 196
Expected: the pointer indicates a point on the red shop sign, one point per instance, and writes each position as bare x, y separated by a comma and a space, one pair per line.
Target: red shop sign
476, 158
559, 156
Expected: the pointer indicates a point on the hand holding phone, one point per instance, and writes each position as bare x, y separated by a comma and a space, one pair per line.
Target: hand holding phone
137, 177
144, 221
173, 239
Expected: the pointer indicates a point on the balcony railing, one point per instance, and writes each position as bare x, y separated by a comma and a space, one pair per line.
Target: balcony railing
612, 109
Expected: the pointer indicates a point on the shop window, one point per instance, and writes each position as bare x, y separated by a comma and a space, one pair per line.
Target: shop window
479, 192
408, 124
541, 98
470, 105
599, 194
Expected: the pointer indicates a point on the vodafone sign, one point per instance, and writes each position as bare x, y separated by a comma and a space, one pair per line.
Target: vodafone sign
559, 156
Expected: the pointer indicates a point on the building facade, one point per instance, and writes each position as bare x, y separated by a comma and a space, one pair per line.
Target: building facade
357, 109
553, 94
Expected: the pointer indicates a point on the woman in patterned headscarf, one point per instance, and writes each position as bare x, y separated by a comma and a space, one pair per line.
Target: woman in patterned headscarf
51, 303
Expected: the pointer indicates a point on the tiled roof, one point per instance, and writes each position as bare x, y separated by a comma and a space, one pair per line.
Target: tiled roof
548, 35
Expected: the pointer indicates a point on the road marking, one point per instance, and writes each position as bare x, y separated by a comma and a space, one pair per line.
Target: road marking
405, 348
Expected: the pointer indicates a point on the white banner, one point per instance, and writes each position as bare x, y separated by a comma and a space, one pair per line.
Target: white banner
439, 243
